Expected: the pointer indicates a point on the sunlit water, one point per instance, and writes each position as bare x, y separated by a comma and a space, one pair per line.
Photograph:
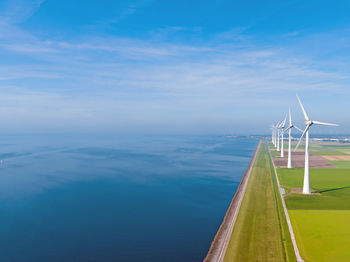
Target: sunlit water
115, 198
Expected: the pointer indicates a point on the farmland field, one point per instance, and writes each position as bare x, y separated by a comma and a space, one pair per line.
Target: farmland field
321, 220
341, 164
322, 235
332, 187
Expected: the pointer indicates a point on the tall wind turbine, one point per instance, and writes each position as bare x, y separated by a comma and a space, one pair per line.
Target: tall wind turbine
274, 128
275, 135
289, 129
283, 124
278, 135
308, 123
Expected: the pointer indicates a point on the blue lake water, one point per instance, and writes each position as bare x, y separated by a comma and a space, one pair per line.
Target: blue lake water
115, 198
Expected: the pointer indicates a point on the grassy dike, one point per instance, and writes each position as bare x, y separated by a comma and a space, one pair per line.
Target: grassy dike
261, 232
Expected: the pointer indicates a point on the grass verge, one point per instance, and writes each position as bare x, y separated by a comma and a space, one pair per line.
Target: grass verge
261, 232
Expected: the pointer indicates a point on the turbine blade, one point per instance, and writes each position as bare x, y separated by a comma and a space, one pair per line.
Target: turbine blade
299, 129
303, 109
307, 127
284, 121
323, 123
290, 118
285, 130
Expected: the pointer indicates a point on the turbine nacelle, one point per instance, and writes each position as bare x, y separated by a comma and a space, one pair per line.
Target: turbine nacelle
309, 123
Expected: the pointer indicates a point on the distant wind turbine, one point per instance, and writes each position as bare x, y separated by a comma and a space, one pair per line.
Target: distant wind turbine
283, 124
273, 139
278, 135
289, 129
308, 123
275, 136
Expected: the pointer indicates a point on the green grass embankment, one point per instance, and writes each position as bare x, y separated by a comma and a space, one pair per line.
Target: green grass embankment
261, 232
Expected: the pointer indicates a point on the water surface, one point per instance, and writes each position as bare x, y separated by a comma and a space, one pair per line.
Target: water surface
115, 198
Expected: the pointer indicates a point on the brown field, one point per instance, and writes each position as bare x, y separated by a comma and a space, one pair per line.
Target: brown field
337, 158
298, 159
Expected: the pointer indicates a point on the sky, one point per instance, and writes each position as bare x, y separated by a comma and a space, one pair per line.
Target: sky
173, 67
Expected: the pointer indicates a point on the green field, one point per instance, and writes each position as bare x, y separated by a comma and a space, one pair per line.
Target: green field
324, 152
330, 150
317, 150
322, 235
261, 232
320, 221
275, 153
340, 164
332, 186
337, 146
320, 178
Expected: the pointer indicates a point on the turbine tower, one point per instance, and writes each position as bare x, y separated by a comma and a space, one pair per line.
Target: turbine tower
278, 136
283, 124
308, 123
275, 135
289, 129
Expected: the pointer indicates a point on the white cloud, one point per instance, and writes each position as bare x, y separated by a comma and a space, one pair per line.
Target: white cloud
111, 79
17, 11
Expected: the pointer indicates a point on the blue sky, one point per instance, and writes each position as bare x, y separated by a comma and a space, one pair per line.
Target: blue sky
172, 66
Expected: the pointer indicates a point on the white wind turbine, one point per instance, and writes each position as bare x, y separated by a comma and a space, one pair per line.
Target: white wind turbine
308, 123
273, 128
289, 129
275, 135
283, 124
278, 135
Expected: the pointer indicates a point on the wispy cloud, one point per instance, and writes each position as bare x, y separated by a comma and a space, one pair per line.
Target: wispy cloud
126, 11
293, 33
94, 80
17, 11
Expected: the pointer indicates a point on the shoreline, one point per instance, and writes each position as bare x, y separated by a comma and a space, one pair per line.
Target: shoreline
222, 237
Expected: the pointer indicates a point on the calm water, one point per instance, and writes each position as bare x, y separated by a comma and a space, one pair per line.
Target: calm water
115, 198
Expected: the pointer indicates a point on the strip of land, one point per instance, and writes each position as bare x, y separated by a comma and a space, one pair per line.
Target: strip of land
261, 232
255, 229
219, 245
289, 223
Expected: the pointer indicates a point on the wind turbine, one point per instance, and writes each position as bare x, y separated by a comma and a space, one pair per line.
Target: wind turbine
275, 135
283, 124
308, 123
273, 128
289, 129
278, 135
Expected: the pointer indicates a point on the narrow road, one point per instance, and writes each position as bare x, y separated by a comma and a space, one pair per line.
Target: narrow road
296, 249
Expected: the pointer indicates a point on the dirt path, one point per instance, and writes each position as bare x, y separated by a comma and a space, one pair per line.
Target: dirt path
296, 249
